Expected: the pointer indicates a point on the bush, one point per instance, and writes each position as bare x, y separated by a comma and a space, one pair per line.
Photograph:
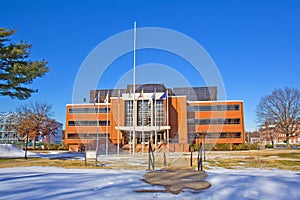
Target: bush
221, 147
268, 146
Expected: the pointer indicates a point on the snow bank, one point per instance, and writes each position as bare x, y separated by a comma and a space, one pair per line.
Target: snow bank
11, 151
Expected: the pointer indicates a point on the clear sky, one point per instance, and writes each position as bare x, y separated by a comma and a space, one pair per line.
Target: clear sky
255, 44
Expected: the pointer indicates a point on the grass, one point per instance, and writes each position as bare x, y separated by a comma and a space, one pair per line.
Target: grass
265, 159
21, 162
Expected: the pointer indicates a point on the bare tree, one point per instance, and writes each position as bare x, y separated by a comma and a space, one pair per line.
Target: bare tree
35, 120
281, 108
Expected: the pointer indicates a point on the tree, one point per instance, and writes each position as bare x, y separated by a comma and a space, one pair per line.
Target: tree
269, 132
281, 108
16, 69
35, 120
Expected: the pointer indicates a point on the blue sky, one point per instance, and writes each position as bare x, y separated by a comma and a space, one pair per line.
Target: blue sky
254, 44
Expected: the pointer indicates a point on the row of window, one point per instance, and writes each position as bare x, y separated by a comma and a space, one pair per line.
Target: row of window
144, 113
87, 136
214, 121
192, 136
214, 108
89, 110
89, 123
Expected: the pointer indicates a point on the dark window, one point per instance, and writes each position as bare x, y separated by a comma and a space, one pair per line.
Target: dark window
218, 135
87, 123
88, 110
214, 108
87, 136
214, 121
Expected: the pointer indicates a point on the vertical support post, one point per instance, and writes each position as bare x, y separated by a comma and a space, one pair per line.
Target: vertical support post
165, 159
200, 157
204, 136
191, 159
26, 145
151, 159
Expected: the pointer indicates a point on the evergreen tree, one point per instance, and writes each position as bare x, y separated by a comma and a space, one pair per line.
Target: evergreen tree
17, 71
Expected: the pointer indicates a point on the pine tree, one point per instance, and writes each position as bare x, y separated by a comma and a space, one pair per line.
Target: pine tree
17, 71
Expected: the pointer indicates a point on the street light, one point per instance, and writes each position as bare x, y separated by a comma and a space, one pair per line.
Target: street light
204, 134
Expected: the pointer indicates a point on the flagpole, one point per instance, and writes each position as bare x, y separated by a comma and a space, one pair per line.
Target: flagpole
118, 148
106, 123
130, 119
168, 136
97, 148
155, 132
143, 134
134, 47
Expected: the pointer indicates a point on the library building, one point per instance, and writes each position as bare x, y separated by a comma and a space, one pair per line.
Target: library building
131, 118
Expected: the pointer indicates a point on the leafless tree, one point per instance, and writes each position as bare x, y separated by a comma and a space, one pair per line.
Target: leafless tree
281, 108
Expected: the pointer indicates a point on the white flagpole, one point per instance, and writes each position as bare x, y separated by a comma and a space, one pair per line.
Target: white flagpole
97, 115
106, 98
118, 148
130, 120
143, 134
168, 136
134, 47
155, 133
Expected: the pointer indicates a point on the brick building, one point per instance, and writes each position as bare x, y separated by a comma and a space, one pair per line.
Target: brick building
166, 117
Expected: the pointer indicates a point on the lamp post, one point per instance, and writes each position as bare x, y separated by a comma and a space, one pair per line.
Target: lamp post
26, 145
204, 134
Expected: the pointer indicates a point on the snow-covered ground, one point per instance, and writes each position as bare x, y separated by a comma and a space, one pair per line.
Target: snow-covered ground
60, 183
11, 151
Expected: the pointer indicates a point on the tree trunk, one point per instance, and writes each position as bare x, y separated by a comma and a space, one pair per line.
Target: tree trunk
272, 143
288, 140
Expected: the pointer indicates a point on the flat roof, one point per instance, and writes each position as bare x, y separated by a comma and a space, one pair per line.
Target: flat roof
216, 101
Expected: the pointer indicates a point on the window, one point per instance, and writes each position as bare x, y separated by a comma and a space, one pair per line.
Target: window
88, 110
234, 107
87, 136
129, 113
88, 123
144, 113
218, 135
213, 121
159, 112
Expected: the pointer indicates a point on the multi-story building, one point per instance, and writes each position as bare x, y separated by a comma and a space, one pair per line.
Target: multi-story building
8, 133
171, 117
8, 122
271, 134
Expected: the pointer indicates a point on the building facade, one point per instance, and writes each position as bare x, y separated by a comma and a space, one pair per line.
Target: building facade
8, 122
271, 134
8, 133
171, 117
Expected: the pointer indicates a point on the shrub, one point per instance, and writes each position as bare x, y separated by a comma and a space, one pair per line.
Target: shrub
268, 146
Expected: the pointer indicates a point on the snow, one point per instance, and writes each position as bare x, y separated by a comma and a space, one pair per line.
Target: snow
59, 183
11, 151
